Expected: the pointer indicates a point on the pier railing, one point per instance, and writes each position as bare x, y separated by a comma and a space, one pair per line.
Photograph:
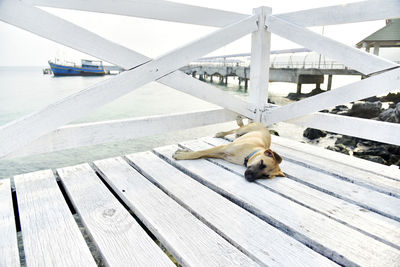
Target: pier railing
43, 131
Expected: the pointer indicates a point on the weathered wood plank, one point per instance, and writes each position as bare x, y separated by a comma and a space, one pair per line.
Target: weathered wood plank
189, 240
380, 131
21, 132
9, 255
346, 13
117, 235
378, 226
336, 241
151, 9
50, 234
87, 134
352, 57
259, 65
331, 156
262, 242
375, 85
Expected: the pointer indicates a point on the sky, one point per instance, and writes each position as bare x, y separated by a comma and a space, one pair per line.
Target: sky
154, 38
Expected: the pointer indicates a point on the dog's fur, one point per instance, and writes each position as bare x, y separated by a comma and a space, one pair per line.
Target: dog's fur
254, 137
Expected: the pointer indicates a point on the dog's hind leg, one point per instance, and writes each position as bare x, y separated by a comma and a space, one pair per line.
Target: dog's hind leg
215, 152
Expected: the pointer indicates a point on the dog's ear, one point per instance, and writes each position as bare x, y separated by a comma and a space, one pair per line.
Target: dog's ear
268, 153
276, 157
273, 154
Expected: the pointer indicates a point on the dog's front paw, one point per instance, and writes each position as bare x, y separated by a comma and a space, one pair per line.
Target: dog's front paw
180, 154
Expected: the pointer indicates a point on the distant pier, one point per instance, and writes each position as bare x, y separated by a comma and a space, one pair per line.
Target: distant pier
286, 66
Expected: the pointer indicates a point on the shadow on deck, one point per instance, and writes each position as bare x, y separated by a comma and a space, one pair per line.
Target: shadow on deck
331, 209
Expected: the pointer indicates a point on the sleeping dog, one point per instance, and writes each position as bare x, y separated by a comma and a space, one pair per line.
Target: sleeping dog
251, 148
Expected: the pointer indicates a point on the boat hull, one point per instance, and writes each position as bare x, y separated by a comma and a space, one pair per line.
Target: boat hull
62, 70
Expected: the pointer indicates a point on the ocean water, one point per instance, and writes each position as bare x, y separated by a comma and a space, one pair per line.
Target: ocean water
25, 89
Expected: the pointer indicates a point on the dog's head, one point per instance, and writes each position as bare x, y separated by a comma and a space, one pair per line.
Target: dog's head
264, 166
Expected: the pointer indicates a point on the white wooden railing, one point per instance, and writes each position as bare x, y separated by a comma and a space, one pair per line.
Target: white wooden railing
43, 131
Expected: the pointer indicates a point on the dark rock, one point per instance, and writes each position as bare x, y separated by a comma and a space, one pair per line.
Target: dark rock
347, 141
389, 153
340, 110
315, 91
312, 134
371, 99
366, 110
391, 97
295, 96
391, 114
339, 148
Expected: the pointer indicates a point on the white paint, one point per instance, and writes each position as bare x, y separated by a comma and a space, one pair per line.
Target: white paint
350, 56
8, 241
377, 225
151, 9
259, 67
380, 131
346, 13
342, 244
119, 238
262, 242
21, 132
88, 134
190, 241
50, 234
372, 86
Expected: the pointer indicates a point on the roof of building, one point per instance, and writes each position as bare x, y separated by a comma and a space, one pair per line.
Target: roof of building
388, 35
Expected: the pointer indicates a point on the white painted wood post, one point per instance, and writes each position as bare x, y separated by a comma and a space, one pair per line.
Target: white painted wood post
259, 66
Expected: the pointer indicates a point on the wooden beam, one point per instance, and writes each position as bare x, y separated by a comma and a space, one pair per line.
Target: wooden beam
372, 86
339, 14
88, 134
350, 56
347, 13
150, 9
259, 67
21, 132
380, 131
83, 40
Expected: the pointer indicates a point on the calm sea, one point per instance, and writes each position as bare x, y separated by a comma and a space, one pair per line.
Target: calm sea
25, 89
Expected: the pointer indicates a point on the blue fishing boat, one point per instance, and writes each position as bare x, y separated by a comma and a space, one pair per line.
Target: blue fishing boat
87, 68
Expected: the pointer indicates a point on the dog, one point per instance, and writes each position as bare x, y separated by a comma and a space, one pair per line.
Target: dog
251, 148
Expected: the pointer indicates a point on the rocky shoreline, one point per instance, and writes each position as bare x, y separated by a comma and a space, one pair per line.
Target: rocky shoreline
386, 108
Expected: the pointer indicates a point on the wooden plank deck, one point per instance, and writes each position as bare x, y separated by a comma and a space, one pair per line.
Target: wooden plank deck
330, 210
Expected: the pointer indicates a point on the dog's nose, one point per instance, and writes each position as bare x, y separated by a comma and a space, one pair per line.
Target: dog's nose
248, 175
